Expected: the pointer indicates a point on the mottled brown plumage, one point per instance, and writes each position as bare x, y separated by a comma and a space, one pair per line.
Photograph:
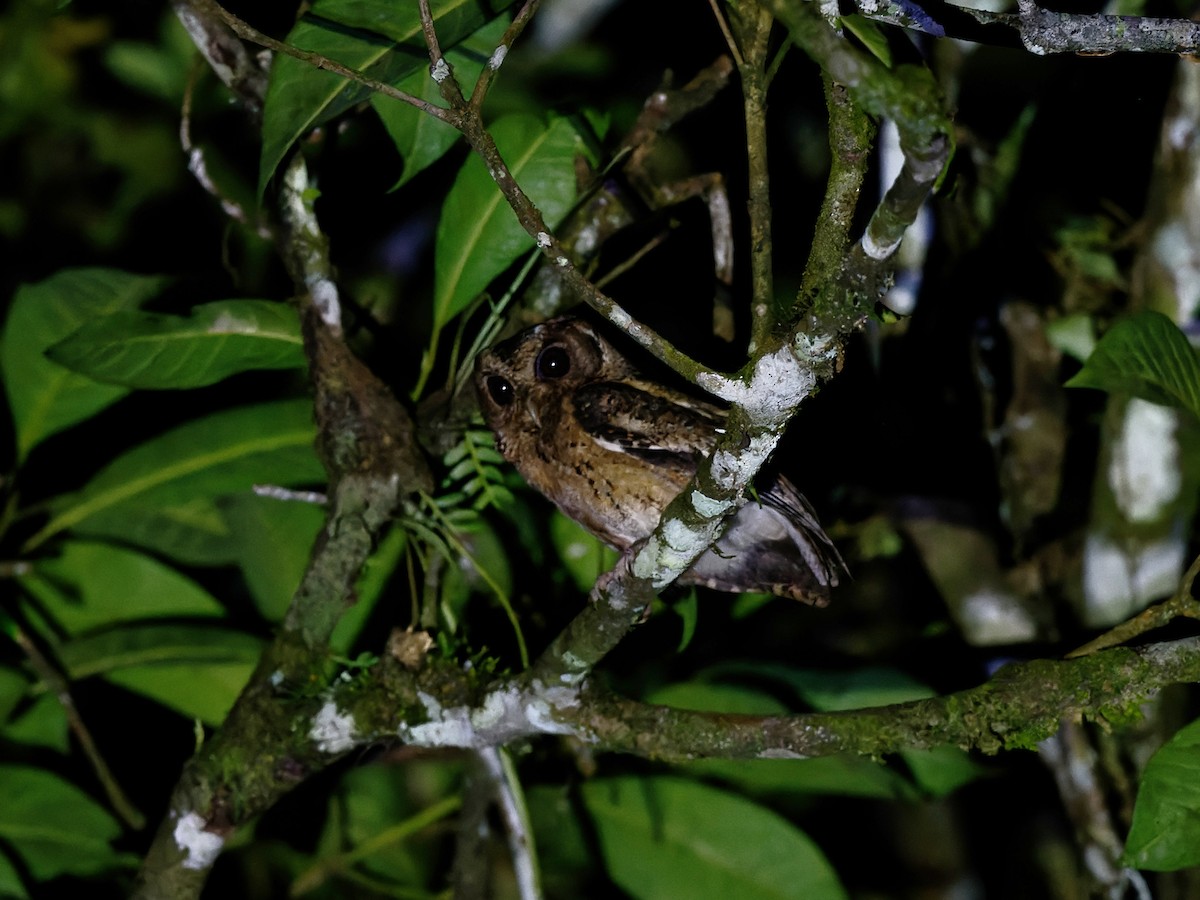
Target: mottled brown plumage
612, 449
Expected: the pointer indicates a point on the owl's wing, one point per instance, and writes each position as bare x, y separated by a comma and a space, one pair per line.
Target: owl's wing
773, 544
659, 425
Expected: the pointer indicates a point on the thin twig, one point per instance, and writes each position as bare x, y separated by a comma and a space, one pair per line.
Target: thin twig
484, 82
62, 692
1181, 603
511, 802
247, 32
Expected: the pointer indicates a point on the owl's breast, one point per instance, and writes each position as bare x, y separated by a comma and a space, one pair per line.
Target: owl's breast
616, 496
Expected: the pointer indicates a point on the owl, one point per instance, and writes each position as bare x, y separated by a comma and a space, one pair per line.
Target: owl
612, 449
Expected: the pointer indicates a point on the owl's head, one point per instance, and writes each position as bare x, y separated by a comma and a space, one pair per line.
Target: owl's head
524, 378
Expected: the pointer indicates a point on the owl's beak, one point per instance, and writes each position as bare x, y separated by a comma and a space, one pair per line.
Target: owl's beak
532, 410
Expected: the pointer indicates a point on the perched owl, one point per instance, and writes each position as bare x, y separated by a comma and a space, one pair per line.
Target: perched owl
612, 449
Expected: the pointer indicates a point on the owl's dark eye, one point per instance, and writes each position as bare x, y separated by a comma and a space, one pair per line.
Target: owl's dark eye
553, 362
500, 389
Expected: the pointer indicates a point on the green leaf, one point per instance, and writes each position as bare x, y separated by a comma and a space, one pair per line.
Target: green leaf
1145, 355
585, 557
1165, 834
45, 397
478, 235
272, 541
143, 644
939, 771
43, 724
156, 351
204, 691
196, 670
374, 580
668, 837
300, 97
871, 35
224, 453
55, 828
11, 887
91, 585
688, 610
420, 138
189, 530
13, 688
1074, 335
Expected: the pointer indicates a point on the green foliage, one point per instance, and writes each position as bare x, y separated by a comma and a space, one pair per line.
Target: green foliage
53, 827
584, 557
104, 608
148, 564
152, 350
1165, 834
378, 39
44, 396
422, 139
1145, 355
666, 837
478, 236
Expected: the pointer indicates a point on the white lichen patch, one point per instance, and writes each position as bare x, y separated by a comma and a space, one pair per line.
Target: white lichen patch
543, 240
876, 249
543, 703
620, 318
497, 58
200, 847
439, 71
734, 471
780, 753
445, 727
332, 731
228, 323
707, 506
1144, 470
775, 389
324, 295
496, 706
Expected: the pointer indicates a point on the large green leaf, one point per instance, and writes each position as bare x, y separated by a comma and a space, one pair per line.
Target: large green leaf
146, 644
91, 585
301, 97
54, 827
10, 879
668, 837
45, 397
272, 541
478, 235
1165, 834
585, 557
1145, 355
224, 453
196, 670
152, 350
421, 139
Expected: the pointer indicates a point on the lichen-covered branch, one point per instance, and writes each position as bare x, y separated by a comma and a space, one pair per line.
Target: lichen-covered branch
440, 705
365, 439
1044, 31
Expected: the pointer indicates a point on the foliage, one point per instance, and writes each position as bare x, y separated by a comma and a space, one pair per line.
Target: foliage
162, 497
